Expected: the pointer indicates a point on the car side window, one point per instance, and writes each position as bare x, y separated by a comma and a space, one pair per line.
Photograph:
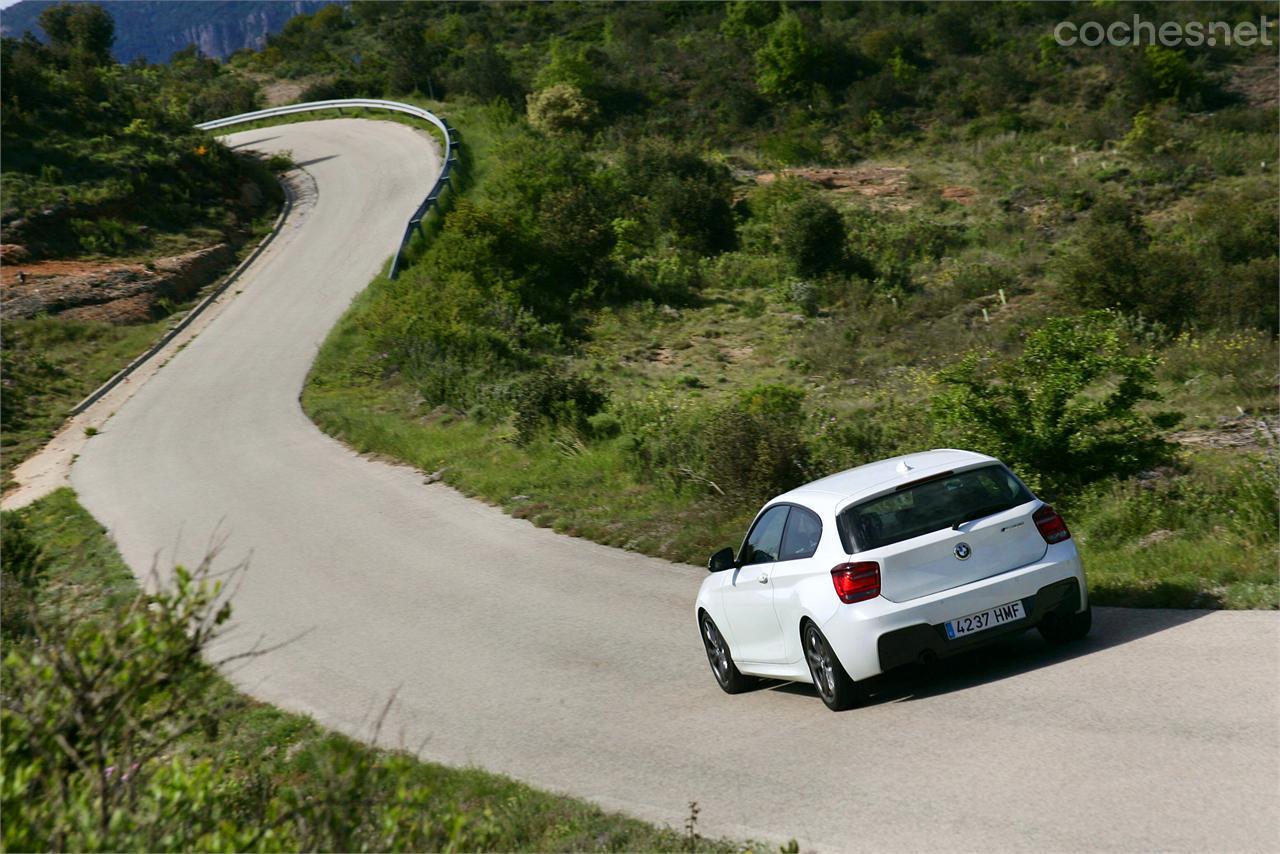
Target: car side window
800, 539
766, 536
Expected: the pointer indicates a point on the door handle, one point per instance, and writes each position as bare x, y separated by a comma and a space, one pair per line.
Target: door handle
764, 578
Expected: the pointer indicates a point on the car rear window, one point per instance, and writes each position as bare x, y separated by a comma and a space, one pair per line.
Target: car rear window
931, 505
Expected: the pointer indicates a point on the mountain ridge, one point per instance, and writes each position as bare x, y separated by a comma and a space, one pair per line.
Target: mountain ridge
154, 31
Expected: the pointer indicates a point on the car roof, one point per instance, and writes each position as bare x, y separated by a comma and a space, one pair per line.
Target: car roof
833, 491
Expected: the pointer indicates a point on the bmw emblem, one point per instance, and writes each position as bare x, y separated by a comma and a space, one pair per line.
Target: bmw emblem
963, 551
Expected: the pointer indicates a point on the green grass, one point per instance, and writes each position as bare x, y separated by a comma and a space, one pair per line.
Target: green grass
1204, 537
261, 747
60, 362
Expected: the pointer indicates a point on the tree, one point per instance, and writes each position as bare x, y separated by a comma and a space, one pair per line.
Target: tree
747, 19
81, 31
1064, 413
788, 63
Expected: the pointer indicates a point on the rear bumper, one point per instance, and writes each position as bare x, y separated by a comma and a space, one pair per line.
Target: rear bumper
908, 645
878, 635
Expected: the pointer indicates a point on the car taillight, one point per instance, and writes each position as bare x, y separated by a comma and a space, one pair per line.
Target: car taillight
856, 581
1052, 526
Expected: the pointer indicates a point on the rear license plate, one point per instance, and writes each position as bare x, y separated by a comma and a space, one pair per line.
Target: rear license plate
985, 620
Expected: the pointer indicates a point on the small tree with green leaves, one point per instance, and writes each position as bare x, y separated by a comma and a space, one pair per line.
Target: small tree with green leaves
790, 62
1064, 414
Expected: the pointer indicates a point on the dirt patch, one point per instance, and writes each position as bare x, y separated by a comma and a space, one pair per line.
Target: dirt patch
870, 181
960, 195
1258, 82
1244, 431
277, 93
119, 293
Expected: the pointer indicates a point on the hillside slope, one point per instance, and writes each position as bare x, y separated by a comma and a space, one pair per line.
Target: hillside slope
682, 280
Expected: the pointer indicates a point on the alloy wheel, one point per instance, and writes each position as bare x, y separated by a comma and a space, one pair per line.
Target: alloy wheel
818, 655
717, 651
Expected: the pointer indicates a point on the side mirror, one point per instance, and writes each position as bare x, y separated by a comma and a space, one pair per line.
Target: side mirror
721, 560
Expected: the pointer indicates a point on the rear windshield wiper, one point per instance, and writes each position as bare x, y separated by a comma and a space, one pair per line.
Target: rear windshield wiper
989, 510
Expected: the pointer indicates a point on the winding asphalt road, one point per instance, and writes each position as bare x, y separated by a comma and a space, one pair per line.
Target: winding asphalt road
578, 668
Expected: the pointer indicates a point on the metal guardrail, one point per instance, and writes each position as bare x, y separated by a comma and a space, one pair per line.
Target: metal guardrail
433, 195
414, 221
211, 297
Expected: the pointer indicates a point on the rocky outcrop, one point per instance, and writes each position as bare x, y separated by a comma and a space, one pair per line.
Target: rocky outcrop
155, 30
120, 293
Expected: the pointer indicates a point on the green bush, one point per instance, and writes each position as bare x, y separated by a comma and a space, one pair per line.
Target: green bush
755, 446
790, 62
1064, 413
1110, 265
94, 150
882, 427
669, 276
678, 195
552, 398
1219, 269
811, 235
562, 108
663, 441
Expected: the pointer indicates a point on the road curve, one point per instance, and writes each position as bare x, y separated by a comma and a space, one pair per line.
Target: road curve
578, 667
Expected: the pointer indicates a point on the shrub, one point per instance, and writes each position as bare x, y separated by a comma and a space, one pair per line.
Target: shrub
486, 73
550, 397
804, 294
1064, 413
1112, 264
1218, 269
334, 89
680, 196
734, 270
664, 441
811, 235
884, 427
669, 276
101, 709
604, 425
754, 446
561, 108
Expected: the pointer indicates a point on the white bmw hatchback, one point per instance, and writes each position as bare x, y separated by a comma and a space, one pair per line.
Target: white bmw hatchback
909, 559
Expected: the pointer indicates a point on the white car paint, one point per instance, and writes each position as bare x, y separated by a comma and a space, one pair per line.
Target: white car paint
760, 607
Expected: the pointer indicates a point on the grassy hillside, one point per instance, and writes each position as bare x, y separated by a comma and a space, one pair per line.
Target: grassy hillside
175, 759
642, 317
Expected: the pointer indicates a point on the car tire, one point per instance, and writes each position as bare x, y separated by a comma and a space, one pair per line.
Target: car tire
728, 677
833, 684
1057, 629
